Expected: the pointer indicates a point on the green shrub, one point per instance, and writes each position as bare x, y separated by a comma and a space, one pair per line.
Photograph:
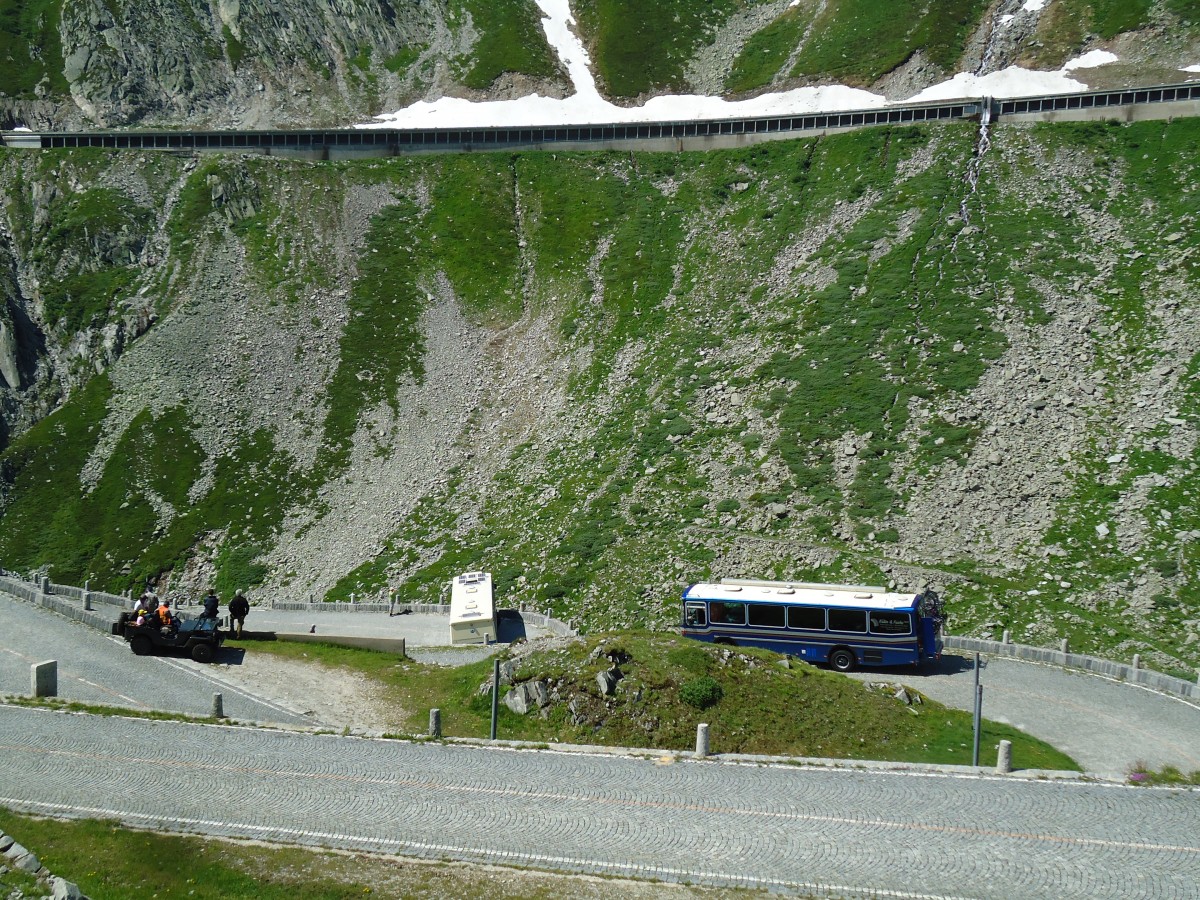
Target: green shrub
701, 692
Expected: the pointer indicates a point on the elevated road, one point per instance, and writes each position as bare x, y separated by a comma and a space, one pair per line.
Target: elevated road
1123, 105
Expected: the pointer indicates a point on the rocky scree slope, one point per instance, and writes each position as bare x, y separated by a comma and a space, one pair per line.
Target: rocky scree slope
603, 376
255, 64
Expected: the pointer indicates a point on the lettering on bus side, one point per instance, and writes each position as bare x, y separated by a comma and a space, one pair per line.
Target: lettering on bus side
891, 623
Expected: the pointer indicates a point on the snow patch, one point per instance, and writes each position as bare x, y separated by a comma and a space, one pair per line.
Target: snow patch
587, 107
1011, 82
1091, 60
1190, 69
1034, 5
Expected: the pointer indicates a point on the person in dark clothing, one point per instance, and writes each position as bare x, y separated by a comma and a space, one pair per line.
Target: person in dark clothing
212, 605
239, 606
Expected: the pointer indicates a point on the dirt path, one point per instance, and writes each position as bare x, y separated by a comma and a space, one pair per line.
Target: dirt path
334, 697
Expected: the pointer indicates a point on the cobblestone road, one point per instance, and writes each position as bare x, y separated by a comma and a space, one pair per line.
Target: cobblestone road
98, 668
784, 827
1106, 726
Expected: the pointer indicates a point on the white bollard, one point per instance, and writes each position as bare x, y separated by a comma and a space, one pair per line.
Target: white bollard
1137, 660
1004, 758
43, 679
1065, 646
702, 747
1007, 637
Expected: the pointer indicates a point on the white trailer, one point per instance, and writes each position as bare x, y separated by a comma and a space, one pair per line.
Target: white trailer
472, 614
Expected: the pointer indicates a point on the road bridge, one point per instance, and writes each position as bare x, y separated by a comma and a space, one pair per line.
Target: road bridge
1164, 101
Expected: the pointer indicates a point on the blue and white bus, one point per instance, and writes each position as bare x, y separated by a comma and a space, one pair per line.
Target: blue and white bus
843, 625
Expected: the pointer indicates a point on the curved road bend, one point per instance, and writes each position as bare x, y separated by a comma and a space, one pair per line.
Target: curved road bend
781, 827
1106, 726
99, 668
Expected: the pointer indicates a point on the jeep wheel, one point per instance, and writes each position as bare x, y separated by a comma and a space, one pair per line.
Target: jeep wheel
202, 653
141, 645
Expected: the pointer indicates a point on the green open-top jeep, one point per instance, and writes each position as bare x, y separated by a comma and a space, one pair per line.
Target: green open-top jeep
200, 638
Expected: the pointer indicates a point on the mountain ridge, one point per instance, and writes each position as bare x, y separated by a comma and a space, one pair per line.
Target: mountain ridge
906, 355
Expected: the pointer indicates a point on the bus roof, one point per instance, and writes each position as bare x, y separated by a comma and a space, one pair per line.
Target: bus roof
801, 594
471, 597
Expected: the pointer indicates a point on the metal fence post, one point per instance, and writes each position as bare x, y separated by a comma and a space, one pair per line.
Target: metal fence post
976, 722
495, 694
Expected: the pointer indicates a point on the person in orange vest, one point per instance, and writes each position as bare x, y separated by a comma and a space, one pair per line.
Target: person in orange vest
165, 620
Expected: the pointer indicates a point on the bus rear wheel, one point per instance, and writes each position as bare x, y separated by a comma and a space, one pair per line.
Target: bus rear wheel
841, 659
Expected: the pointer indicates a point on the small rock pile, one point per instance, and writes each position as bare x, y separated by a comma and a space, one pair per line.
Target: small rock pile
14, 856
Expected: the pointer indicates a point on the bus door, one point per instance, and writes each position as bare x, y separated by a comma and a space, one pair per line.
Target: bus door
930, 612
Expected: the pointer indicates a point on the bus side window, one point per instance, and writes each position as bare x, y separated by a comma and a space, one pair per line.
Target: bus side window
728, 613
854, 620
694, 617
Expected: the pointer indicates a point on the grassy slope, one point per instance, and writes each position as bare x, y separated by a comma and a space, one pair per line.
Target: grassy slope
1159, 171
604, 524
644, 47
858, 41
29, 46
764, 708
511, 40
108, 862
1065, 26
764, 54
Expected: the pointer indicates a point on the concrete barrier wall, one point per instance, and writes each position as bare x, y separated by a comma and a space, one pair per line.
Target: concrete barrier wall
1167, 684
101, 620
68, 600
384, 645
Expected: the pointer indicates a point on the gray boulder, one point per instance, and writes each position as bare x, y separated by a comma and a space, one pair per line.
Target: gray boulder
528, 695
65, 890
607, 681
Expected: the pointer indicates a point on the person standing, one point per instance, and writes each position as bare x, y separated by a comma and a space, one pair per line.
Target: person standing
391, 602
239, 607
212, 606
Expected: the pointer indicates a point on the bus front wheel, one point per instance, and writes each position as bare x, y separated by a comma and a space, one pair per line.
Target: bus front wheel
841, 659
